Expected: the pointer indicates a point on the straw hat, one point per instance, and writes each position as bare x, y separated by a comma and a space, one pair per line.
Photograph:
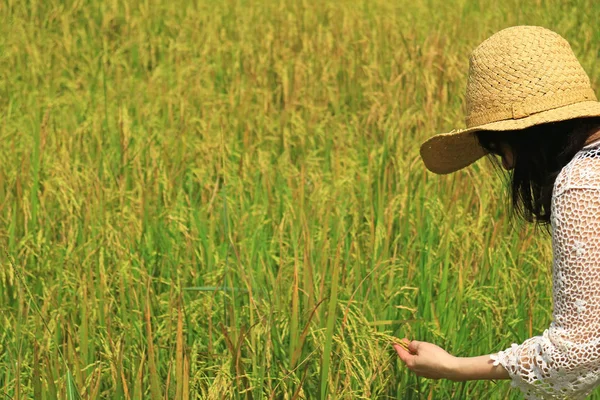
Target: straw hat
519, 77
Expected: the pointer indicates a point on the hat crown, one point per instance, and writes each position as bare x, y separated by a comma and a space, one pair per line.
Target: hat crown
520, 71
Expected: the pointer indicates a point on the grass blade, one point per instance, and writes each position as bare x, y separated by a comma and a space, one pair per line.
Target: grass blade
155, 390
329, 331
72, 393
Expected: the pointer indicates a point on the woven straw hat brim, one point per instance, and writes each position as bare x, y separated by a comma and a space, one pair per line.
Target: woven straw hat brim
449, 152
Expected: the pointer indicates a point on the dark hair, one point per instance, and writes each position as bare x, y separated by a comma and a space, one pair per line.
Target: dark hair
539, 153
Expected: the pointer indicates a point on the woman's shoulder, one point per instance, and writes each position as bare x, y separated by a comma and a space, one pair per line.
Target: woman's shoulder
583, 171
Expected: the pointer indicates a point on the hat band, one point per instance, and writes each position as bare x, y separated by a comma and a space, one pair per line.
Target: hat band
531, 106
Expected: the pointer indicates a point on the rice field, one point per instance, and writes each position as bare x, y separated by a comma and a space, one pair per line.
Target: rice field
224, 199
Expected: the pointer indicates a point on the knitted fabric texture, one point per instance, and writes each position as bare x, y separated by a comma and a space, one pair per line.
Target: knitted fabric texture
564, 362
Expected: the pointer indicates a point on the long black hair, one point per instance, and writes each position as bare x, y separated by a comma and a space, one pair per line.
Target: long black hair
539, 153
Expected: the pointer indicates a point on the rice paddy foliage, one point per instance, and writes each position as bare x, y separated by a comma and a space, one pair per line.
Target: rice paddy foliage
224, 199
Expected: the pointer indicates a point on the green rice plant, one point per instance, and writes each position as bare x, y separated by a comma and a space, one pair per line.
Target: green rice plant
225, 199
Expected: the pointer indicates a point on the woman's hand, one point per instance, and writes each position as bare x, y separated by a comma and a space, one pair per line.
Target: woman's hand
427, 359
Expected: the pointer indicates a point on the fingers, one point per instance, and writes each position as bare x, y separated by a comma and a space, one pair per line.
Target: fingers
400, 350
404, 355
413, 346
411, 362
423, 359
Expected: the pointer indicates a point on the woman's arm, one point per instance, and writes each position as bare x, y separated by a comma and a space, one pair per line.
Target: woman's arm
482, 367
431, 361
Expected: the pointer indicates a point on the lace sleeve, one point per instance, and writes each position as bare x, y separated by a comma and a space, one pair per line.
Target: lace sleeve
564, 362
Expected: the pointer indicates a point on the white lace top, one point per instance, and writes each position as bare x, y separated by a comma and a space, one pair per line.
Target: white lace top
564, 363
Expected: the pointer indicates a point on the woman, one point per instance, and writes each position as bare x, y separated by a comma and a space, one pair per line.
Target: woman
530, 102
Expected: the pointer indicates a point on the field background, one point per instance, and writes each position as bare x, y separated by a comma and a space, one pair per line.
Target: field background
224, 199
